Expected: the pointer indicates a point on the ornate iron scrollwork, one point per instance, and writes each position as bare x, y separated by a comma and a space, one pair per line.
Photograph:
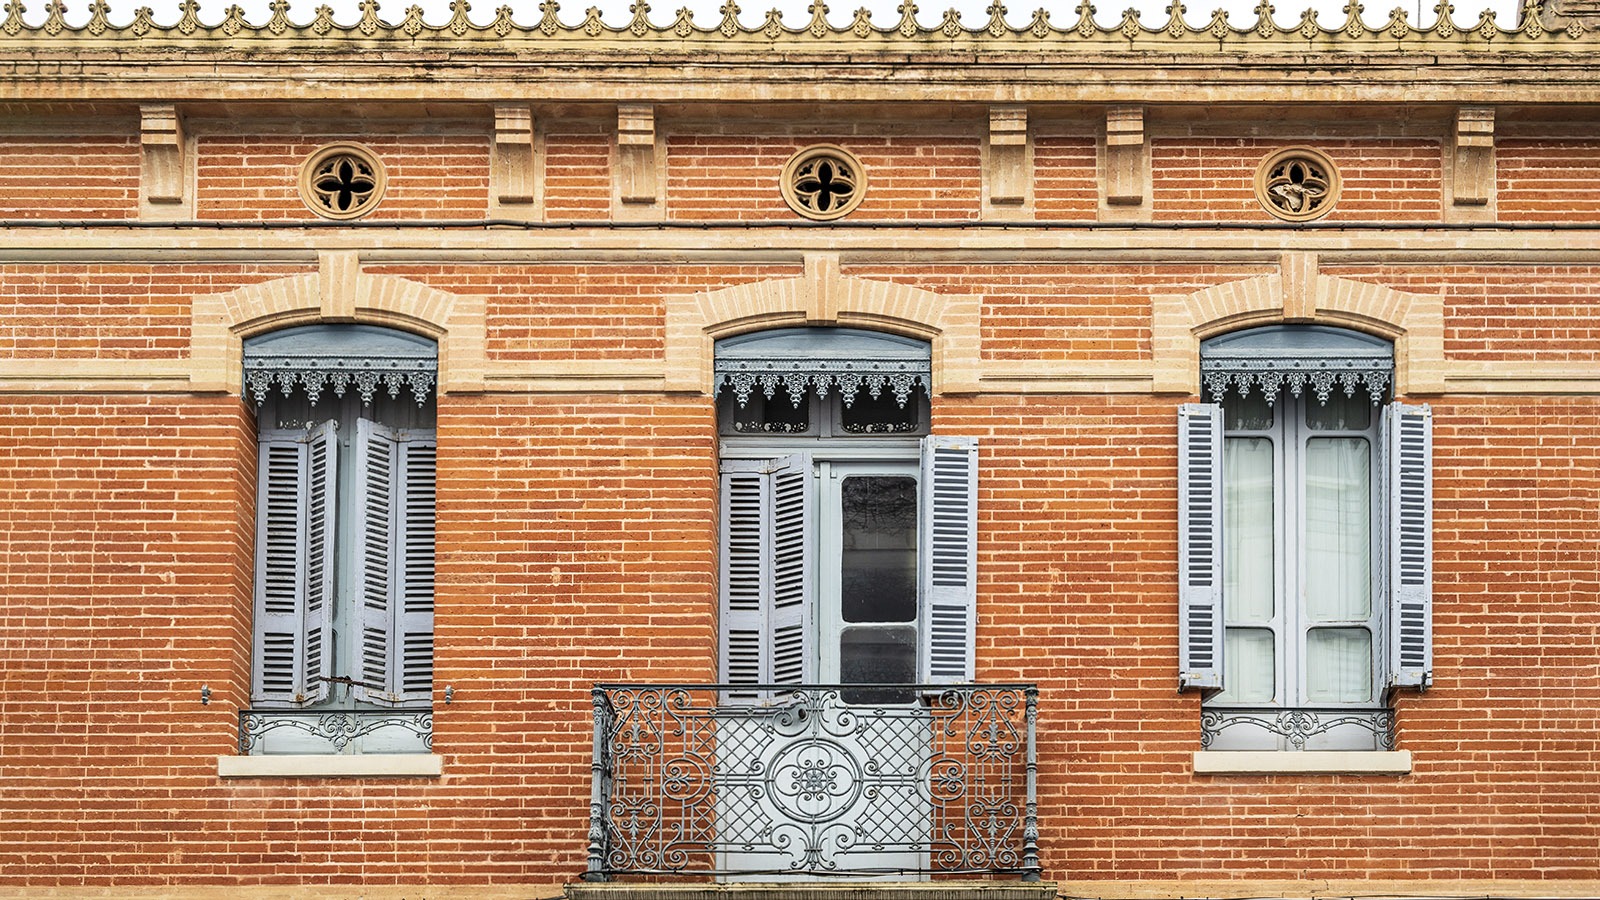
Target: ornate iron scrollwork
814, 785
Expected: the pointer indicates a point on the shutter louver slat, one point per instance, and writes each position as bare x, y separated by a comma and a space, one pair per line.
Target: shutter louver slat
294, 516
792, 499
742, 582
395, 482
1200, 634
414, 578
1411, 545
322, 459
766, 573
948, 560
376, 457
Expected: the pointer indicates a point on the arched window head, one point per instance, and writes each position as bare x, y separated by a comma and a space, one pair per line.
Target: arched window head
1297, 359
823, 382
314, 359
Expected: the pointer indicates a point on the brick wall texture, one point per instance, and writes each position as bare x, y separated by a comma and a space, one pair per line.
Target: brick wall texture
576, 532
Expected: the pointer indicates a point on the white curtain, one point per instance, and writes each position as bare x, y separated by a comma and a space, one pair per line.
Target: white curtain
1338, 574
1249, 547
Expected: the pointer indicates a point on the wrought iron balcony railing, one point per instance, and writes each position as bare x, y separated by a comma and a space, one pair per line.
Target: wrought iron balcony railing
820, 780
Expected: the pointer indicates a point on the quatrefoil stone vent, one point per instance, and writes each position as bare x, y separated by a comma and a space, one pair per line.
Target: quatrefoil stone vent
1297, 184
344, 180
824, 182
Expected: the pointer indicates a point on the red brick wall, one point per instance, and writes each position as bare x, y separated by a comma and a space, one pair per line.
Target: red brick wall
1548, 179
84, 176
1389, 179
576, 544
257, 175
1051, 312
1077, 563
729, 174
110, 311
1066, 177
577, 172
1495, 312
576, 312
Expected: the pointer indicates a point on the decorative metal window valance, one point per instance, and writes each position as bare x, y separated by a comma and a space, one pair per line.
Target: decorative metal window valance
824, 360
1296, 358
319, 358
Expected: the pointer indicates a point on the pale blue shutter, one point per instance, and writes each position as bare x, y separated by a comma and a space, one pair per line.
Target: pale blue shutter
1409, 445
394, 563
295, 519
766, 580
948, 560
1200, 617
414, 619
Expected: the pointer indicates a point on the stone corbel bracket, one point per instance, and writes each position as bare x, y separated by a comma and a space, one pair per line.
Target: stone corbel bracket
514, 163
1472, 182
163, 168
1010, 162
1125, 165
639, 155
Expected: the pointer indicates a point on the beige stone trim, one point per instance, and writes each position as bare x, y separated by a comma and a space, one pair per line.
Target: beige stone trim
1328, 889
1305, 762
1415, 322
551, 885
342, 292
1009, 889
372, 765
92, 376
822, 296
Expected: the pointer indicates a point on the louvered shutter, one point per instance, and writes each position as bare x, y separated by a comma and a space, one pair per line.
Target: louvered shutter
1409, 445
295, 518
766, 562
1200, 637
414, 575
948, 560
394, 563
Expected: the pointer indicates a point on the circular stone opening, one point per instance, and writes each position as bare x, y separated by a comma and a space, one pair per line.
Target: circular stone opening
342, 181
824, 182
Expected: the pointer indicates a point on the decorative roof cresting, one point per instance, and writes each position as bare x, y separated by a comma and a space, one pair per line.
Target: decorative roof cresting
1178, 32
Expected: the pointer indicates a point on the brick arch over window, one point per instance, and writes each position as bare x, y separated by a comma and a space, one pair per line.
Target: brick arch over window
1414, 322
338, 292
822, 296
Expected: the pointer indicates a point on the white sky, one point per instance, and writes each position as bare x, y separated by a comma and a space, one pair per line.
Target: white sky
884, 12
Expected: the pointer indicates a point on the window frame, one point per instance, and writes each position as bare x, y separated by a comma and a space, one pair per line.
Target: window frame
1314, 359
344, 383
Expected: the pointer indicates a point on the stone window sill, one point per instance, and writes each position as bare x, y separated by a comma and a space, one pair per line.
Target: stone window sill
1305, 762
373, 765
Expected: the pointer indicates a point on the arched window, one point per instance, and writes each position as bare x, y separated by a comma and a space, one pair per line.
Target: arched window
848, 543
344, 538
1304, 540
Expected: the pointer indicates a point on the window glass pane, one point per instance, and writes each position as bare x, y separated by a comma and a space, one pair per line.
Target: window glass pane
1340, 413
1339, 665
878, 562
1247, 528
883, 415
878, 655
778, 415
1338, 538
1252, 413
1250, 666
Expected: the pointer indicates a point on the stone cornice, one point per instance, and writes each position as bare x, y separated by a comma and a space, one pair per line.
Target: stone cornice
1537, 32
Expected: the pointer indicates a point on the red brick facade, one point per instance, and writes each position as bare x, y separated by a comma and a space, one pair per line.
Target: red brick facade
577, 477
